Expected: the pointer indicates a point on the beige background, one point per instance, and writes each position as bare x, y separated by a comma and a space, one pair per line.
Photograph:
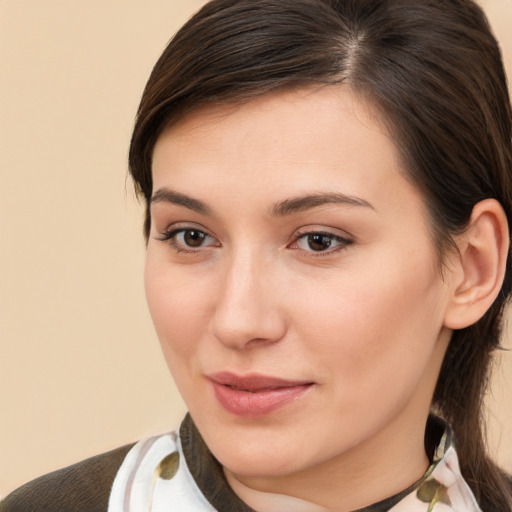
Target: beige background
80, 367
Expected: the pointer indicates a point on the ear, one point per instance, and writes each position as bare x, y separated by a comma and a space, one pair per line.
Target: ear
477, 272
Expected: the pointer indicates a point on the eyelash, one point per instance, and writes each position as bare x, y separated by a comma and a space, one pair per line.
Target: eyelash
170, 237
342, 242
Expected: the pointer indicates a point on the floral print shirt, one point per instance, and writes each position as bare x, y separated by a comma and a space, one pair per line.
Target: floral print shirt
176, 471
442, 489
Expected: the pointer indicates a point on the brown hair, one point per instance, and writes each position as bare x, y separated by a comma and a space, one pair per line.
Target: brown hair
434, 70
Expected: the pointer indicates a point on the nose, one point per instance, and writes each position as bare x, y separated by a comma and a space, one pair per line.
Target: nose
248, 312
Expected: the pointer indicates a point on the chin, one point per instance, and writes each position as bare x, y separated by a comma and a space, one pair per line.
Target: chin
260, 464
257, 453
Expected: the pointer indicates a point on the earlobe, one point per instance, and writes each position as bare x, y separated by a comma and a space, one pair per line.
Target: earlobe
477, 272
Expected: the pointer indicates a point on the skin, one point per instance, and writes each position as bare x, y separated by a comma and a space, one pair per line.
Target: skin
363, 319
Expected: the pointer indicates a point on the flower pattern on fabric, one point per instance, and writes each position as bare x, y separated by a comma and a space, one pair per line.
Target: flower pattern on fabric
442, 488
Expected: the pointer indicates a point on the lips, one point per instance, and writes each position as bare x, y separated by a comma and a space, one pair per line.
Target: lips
255, 395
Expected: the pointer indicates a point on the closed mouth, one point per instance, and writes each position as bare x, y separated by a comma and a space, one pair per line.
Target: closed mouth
254, 383
254, 395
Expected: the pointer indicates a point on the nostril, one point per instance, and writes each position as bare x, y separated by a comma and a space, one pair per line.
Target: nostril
257, 341
249, 331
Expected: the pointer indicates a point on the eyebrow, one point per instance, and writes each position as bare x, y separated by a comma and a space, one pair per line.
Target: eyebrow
301, 203
280, 209
165, 195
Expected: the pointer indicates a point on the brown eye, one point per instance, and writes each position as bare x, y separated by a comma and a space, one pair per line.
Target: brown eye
183, 239
319, 241
194, 238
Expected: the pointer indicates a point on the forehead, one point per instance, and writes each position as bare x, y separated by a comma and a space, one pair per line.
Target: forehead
287, 142
327, 101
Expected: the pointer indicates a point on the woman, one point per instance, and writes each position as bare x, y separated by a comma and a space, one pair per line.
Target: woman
328, 197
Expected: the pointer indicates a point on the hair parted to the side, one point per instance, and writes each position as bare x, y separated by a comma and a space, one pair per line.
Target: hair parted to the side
434, 71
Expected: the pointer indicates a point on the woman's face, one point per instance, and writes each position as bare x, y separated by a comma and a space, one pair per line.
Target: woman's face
293, 283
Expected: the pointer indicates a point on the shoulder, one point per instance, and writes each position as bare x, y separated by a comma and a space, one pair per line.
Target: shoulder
82, 487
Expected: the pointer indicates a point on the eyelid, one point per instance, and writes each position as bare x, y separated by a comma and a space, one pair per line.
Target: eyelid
323, 229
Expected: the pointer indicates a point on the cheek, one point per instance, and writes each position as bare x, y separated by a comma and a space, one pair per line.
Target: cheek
375, 329
177, 307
